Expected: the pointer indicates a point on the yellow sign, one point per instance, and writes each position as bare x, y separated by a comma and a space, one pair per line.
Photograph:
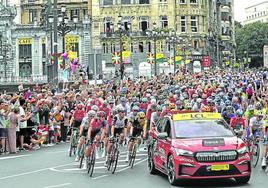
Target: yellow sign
23, 41
126, 54
195, 116
71, 39
43, 40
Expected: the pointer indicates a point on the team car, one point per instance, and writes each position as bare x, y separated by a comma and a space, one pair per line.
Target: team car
197, 146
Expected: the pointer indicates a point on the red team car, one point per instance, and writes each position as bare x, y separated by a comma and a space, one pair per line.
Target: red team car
197, 146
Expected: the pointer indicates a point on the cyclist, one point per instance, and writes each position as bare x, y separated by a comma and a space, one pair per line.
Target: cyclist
97, 129
256, 125
265, 148
239, 122
228, 113
155, 117
137, 127
119, 127
83, 132
251, 112
77, 118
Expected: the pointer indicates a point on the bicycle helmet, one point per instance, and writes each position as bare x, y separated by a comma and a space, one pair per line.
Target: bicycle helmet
120, 109
251, 108
229, 108
141, 115
199, 100
134, 99
135, 108
239, 112
227, 103
259, 113
111, 101
144, 100
91, 113
188, 106
95, 108
258, 106
148, 91
101, 114
123, 99
153, 106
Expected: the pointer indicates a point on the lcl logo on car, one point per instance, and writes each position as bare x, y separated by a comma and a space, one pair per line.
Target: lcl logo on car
197, 116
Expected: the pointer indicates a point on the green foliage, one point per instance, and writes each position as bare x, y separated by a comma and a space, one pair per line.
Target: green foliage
250, 38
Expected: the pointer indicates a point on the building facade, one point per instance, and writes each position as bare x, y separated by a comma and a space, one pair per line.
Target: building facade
188, 18
32, 37
257, 12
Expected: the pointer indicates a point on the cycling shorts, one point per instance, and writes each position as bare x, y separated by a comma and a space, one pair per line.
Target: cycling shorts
118, 131
137, 132
95, 132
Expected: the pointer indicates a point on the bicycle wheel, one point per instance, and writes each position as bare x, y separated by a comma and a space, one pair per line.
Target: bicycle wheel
92, 162
109, 162
71, 150
82, 154
114, 160
133, 155
255, 155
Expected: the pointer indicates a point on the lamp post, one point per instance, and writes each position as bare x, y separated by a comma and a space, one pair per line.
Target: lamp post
4, 52
63, 26
121, 31
155, 35
174, 40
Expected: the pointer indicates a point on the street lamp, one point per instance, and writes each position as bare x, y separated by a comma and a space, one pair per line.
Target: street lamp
121, 32
155, 35
174, 40
64, 27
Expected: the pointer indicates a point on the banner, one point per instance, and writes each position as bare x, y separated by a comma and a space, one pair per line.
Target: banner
116, 58
206, 61
150, 58
160, 58
126, 56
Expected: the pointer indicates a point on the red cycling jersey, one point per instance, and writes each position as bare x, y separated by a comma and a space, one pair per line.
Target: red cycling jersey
238, 121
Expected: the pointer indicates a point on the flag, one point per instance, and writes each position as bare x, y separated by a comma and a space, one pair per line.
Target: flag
126, 56
116, 58
178, 59
160, 58
150, 58
170, 61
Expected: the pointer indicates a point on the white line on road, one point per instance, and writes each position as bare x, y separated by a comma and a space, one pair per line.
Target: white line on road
32, 172
13, 157
100, 177
60, 185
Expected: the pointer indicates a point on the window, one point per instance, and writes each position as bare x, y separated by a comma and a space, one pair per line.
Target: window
141, 47
107, 2
125, 2
44, 51
167, 128
144, 2
32, 16
162, 1
182, 1
193, 1
194, 24
25, 51
149, 47
195, 44
107, 26
125, 23
163, 22
74, 13
112, 48
143, 26
183, 24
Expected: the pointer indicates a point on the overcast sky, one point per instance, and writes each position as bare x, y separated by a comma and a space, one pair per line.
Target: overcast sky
239, 6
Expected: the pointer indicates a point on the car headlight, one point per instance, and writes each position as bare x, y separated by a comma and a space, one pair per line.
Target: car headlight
242, 150
182, 152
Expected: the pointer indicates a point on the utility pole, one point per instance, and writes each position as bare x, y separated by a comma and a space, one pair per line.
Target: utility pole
55, 43
155, 68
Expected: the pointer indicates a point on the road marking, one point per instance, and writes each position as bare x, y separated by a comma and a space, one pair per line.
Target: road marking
13, 157
60, 185
100, 177
99, 162
58, 152
32, 172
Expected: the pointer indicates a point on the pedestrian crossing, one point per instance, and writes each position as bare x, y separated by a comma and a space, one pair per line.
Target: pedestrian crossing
100, 171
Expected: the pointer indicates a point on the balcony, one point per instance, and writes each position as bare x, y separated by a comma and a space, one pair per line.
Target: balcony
15, 80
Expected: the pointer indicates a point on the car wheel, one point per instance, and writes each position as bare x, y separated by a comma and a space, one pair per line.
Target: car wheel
151, 167
242, 180
171, 171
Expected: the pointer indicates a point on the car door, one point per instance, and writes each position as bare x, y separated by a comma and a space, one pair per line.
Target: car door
164, 145
156, 149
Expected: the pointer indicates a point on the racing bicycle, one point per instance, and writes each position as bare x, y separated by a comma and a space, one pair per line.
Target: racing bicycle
254, 150
82, 154
74, 141
90, 160
114, 155
132, 154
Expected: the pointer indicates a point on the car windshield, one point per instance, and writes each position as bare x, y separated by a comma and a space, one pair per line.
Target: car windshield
201, 128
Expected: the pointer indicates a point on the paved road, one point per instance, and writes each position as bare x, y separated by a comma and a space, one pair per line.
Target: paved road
51, 167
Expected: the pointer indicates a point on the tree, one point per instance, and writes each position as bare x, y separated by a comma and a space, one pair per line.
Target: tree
251, 38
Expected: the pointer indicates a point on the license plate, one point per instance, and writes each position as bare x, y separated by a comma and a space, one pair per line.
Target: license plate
220, 167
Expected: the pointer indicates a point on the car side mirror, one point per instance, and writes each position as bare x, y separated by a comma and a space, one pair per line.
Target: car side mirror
162, 136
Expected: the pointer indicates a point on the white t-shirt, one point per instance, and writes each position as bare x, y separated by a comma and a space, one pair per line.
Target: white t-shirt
255, 124
22, 124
